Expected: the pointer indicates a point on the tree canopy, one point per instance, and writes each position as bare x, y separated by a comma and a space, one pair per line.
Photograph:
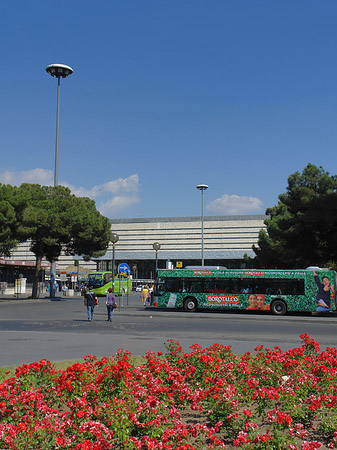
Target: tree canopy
53, 220
11, 204
56, 220
302, 227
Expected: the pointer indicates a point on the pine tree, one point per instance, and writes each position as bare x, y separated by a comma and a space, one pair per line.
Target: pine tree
302, 227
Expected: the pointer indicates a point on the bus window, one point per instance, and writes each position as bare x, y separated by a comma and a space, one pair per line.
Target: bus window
193, 285
246, 287
172, 284
299, 287
260, 286
107, 277
196, 286
279, 287
291, 287
235, 286
209, 285
222, 285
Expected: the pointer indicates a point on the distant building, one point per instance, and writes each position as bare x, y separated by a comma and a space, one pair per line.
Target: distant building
226, 240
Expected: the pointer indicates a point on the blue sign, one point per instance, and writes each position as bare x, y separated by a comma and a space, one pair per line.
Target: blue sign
124, 269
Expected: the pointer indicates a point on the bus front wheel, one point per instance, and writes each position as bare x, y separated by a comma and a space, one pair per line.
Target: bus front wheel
190, 304
278, 307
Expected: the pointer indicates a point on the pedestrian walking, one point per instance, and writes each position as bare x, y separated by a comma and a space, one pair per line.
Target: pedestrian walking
90, 300
151, 293
110, 303
83, 289
145, 295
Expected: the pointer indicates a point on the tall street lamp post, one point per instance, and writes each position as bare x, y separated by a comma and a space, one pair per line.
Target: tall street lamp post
156, 247
114, 239
59, 71
134, 269
202, 188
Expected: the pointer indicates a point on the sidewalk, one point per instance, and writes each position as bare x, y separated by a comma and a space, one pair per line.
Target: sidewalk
27, 296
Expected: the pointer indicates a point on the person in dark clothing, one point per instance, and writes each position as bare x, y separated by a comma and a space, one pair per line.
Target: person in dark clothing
91, 301
324, 293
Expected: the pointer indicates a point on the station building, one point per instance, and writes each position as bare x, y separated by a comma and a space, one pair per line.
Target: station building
226, 240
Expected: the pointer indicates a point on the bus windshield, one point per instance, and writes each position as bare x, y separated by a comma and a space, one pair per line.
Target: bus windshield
95, 280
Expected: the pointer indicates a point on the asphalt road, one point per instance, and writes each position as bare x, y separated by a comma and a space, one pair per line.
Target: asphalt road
58, 329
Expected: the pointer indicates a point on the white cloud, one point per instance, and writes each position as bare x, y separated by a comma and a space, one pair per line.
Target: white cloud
34, 176
119, 186
111, 197
235, 204
113, 206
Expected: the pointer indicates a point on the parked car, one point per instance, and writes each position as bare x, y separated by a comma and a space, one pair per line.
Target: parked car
139, 288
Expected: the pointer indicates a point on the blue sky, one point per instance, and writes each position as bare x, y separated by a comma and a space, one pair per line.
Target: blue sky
168, 94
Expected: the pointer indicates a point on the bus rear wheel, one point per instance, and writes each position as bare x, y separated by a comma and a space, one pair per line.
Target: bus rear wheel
190, 304
278, 307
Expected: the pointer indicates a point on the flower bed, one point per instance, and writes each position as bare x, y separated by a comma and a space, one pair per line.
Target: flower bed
206, 399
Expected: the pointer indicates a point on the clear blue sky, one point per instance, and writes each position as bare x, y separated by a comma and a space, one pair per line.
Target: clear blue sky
168, 94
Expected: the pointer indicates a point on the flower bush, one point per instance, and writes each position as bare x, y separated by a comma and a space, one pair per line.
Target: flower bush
206, 399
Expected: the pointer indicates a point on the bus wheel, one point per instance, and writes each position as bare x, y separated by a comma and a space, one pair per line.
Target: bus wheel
190, 304
278, 307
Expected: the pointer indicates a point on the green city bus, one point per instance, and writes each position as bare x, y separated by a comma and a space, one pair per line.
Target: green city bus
277, 291
102, 281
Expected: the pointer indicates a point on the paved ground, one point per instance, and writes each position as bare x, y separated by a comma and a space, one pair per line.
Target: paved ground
58, 329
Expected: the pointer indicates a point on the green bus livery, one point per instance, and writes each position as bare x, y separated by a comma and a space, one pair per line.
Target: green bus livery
102, 281
277, 291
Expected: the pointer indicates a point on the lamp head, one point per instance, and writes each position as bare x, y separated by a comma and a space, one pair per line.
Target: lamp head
59, 70
156, 246
202, 187
114, 238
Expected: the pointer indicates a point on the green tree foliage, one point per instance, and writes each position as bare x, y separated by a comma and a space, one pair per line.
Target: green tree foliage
302, 227
55, 220
9, 205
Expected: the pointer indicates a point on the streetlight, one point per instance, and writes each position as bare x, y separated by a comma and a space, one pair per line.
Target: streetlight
156, 247
114, 239
134, 268
202, 188
59, 71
